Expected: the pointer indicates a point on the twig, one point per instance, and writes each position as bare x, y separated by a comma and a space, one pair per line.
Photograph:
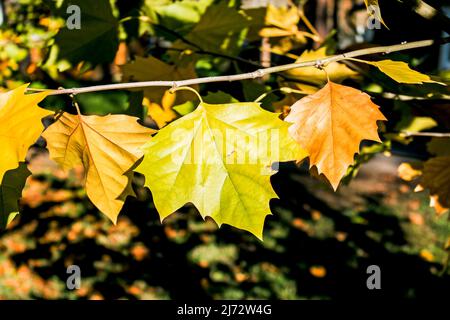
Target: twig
250, 75
425, 134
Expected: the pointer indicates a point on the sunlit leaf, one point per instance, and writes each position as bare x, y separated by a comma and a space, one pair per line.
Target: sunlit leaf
107, 147
331, 124
219, 157
21, 126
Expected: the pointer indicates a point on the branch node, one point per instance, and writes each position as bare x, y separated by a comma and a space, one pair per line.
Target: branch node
319, 64
174, 87
258, 73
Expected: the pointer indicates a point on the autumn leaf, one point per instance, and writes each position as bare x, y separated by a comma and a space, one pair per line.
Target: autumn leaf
149, 69
400, 72
21, 126
336, 72
331, 124
10, 192
436, 177
107, 147
218, 158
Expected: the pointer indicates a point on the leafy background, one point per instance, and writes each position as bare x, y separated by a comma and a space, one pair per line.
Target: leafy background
316, 245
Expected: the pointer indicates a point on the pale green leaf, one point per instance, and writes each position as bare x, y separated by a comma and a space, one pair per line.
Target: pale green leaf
219, 158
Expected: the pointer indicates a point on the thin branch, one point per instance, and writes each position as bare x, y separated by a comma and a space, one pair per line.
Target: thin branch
250, 75
425, 134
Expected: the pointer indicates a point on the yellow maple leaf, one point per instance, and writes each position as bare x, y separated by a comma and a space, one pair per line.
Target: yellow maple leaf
107, 147
21, 125
336, 72
331, 124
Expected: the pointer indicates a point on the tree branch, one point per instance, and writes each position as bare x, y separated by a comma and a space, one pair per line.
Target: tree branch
425, 134
250, 75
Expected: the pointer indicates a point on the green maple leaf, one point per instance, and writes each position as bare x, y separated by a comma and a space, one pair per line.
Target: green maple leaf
219, 158
10, 191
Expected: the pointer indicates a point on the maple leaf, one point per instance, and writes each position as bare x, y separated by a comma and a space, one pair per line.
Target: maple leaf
21, 125
218, 158
107, 147
149, 69
331, 124
436, 177
10, 191
400, 72
336, 72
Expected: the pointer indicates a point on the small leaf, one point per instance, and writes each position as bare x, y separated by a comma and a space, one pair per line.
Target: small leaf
219, 157
401, 72
10, 192
107, 147
331, 124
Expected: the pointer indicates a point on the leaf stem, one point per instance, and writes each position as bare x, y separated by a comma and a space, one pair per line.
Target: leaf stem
255, 74
175, 88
